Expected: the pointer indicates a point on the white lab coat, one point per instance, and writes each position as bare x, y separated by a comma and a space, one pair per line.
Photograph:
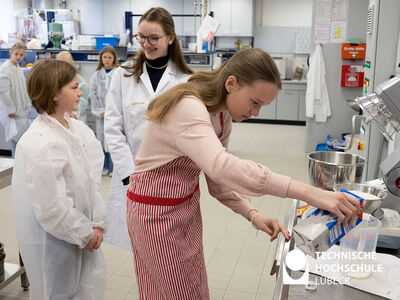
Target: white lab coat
317, 98
99, 84
14, 100
83, 101
124, 127
57, 202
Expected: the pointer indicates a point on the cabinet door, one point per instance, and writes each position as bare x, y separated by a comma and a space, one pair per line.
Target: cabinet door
242, 18
222, 12
267, 112
302, 106
190, 24
287, 107
173, 7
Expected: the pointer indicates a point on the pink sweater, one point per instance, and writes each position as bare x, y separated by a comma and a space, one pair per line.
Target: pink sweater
190, 130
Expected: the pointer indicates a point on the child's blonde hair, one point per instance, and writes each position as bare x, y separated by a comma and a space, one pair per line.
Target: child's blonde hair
65, 56
17, 46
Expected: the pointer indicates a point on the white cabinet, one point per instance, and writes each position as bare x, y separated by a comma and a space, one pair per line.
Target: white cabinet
287, 106
235, 17
290, 104
222, 12
242, 18
173, 7
267, 112
302, 106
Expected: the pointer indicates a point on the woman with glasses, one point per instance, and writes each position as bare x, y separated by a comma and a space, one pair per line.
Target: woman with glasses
158, 66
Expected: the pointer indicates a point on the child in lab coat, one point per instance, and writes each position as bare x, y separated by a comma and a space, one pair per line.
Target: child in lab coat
59, 212
98, 88
80, 114
14, 100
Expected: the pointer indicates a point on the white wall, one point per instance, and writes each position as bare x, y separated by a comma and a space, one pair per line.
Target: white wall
114, 15
92, 17
7, 21
287, 13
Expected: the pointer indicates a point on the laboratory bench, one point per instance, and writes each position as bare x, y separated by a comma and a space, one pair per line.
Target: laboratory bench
12, 271
298, 291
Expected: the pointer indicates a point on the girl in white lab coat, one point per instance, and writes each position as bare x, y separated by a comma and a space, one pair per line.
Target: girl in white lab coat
79, 114
99, 84
159, 66
59, 211
14, 100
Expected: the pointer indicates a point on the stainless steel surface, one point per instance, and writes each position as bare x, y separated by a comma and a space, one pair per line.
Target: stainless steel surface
298, 292
369, 205
383, 107
328, 168
353, 131
353, 104
12, 271
6, 167
282, 291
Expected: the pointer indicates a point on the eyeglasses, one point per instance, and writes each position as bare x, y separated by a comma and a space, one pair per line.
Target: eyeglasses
151, 39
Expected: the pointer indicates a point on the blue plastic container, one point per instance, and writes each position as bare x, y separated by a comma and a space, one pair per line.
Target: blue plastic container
103, 41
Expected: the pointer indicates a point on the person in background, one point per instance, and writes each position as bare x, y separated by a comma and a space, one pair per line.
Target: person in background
14, 100
80, 114
98, 88
158, 66
59, 212
188, 132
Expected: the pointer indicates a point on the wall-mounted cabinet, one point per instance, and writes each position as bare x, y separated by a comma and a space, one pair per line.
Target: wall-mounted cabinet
190, 25
174, 7
235, 17
289, 106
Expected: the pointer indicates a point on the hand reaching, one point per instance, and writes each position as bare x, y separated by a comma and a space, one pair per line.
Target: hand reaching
343, 205
270, 226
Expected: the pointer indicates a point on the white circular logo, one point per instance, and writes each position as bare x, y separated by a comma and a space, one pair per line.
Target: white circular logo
296, 260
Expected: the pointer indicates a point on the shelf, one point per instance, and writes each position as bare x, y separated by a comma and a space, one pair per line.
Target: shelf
12, 271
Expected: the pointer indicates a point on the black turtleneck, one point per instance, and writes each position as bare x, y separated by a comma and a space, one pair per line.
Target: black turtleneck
156, 73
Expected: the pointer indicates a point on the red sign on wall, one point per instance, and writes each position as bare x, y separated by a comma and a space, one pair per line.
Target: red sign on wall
352, 75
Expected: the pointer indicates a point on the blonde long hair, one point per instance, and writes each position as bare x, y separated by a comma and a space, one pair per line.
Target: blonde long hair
248, 66
163, 17
111, 50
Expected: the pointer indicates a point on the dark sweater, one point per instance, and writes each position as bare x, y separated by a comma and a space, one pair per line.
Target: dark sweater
155, 74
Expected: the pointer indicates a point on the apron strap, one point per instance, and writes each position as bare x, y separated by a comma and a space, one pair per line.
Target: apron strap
221, 116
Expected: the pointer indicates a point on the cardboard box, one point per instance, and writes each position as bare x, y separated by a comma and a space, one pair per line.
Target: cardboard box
317, 232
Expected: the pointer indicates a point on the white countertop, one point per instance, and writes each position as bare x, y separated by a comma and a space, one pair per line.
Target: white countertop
303, 81
6, 163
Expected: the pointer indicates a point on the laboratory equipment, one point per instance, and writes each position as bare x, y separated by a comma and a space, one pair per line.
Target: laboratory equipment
383, 107
328, 168
357, 247
56, 34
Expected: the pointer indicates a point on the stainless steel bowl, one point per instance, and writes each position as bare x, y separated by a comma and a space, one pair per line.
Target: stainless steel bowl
369, 205
328, 168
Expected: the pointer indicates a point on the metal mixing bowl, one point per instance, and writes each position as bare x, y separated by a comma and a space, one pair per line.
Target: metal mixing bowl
369, 205
328, 168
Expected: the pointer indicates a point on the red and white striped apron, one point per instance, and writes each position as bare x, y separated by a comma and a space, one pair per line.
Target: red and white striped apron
165, 227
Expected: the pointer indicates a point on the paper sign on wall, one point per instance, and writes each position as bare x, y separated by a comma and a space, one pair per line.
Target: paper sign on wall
208, 28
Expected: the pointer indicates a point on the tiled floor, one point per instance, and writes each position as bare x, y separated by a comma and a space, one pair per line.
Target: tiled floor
238, 261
